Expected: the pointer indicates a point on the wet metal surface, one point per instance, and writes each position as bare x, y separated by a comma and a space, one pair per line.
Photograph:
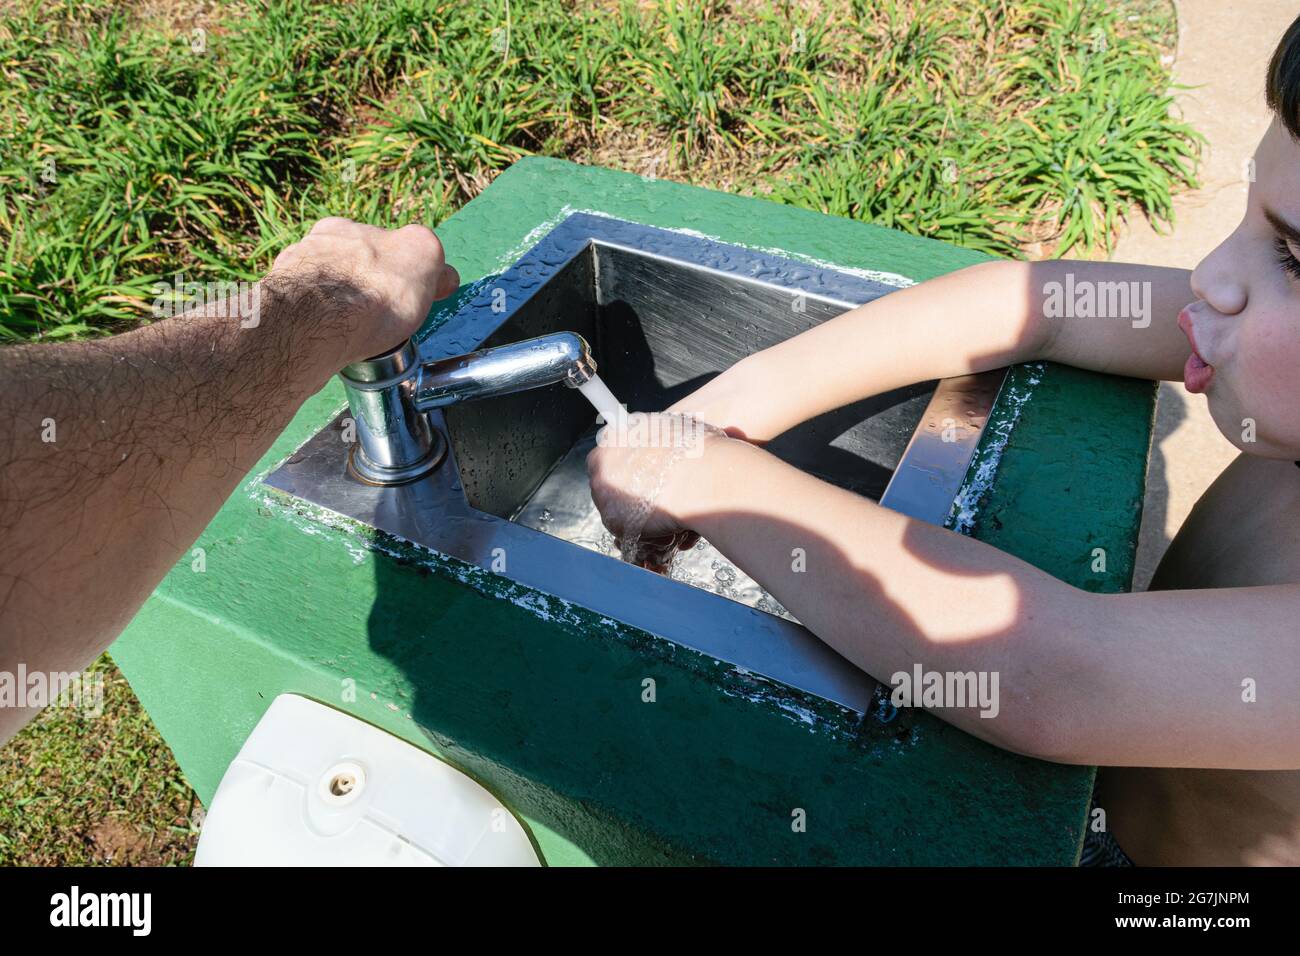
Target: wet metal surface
664, 312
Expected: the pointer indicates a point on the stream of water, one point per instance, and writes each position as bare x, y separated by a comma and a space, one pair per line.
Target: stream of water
602, 399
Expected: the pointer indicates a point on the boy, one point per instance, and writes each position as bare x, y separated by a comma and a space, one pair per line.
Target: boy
1150, 686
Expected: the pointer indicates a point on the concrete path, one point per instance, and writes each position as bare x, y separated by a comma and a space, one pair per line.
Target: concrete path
1224, 49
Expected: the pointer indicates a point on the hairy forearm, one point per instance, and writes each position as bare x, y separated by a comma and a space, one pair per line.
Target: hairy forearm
116, 454
979, 318
889, 592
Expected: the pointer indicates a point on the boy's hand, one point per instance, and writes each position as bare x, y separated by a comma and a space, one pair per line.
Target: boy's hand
649, 476
383, 280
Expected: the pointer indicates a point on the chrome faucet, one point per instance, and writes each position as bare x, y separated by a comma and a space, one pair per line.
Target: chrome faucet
390, 394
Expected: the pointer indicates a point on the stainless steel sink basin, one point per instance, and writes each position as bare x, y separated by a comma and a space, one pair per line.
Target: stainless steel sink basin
664, 312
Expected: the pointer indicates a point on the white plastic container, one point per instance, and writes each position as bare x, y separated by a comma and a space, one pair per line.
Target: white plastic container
313, 786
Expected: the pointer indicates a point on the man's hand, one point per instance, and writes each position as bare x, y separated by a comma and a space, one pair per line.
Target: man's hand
390, 279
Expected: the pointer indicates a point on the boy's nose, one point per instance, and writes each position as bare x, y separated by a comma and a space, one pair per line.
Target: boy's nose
1217, 279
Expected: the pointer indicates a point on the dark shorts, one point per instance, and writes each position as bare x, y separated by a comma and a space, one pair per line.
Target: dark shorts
1100, 848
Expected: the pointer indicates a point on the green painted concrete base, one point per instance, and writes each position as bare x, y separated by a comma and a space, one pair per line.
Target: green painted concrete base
543, 702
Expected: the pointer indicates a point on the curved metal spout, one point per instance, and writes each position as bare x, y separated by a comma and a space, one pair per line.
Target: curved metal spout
533, 363
390, 394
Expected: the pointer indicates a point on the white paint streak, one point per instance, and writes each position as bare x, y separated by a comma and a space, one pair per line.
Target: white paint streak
965, 507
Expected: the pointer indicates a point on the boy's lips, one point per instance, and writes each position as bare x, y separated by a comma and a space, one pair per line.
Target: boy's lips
1197, 372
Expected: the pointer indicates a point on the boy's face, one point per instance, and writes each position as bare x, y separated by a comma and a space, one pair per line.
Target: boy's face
1246, 323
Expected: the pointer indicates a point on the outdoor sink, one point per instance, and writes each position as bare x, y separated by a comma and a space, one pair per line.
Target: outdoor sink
664, 312
626, 718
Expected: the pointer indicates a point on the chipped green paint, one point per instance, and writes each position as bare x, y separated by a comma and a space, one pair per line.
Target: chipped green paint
542, 701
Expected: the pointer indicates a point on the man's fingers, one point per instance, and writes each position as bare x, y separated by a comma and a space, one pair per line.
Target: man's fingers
331, 226
448, 282
418, 231
288, 255
420, 241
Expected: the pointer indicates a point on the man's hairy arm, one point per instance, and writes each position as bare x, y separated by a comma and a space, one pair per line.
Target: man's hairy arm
153, 429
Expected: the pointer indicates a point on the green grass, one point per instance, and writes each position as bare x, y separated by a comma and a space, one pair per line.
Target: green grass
1018, 128
1047, 140
1033, 126
79, 788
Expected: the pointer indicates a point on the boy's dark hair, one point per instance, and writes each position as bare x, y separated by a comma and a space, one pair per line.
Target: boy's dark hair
1283, 90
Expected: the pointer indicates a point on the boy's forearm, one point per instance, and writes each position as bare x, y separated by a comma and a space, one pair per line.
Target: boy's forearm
889, 592
1154, 679
979, 318
952, 325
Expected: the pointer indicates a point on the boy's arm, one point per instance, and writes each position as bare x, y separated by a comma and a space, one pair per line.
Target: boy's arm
982, 317
1154, 679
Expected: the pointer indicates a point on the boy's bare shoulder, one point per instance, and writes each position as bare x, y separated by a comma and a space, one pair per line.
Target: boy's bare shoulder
1244, 532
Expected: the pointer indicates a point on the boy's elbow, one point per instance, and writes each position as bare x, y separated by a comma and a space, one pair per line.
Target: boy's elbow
1045, 734
1026, 724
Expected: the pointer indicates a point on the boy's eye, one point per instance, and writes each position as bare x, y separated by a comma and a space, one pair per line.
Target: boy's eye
1286, 258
